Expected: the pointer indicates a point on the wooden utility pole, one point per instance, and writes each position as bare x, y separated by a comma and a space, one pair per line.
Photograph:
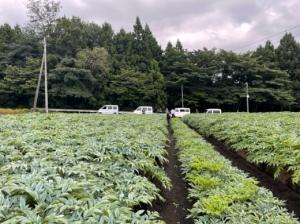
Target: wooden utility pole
43, 15
38, 84
247, 97
42, 69
46, 76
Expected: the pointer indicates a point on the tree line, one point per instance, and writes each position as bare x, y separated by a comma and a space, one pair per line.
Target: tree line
91, 65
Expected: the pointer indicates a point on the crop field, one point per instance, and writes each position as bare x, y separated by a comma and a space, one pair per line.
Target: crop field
266, 138
222, 193
80, 168
91, 168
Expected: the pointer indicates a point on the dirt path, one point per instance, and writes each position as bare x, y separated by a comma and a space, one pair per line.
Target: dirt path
279, 189
175, 209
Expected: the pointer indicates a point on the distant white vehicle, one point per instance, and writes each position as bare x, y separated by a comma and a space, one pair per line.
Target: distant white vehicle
109, 109
180, 112
143, 110
213, 111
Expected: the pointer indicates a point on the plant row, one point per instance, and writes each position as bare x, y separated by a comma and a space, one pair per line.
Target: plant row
80, 168
266, 138
222, 193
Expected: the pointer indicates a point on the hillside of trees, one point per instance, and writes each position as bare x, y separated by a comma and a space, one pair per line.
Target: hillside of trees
91, 65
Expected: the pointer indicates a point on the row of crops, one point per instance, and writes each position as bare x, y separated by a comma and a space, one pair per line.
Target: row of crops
266, 138
220, 192
80, 168
73, 168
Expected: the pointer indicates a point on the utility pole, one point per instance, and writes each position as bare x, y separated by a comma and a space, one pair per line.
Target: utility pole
38, 84
43, 16
42, 69
46, 76
247, 97
182, 96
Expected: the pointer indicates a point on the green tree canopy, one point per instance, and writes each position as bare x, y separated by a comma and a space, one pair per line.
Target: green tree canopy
91, 65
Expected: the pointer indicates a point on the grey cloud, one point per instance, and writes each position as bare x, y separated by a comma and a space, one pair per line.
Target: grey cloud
227, 24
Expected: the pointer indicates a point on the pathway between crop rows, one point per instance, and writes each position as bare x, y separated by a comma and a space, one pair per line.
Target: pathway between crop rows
175, 209
279, 189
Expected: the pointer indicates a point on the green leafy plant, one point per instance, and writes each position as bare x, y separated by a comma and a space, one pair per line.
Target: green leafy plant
266, 138
73, 168
222, 193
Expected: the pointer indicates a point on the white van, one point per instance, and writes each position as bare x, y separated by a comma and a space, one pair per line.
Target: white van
180, 112
143, 110
109, 109
213, 111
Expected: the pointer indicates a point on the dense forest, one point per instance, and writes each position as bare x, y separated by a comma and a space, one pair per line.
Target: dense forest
91, 65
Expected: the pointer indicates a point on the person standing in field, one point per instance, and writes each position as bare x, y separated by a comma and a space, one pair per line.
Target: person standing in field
168, 114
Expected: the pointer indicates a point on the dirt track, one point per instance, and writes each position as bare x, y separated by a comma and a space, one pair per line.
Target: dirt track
175, 209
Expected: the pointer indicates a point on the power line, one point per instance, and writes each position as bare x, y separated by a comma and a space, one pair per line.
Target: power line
295, 36
267, 37
278, 41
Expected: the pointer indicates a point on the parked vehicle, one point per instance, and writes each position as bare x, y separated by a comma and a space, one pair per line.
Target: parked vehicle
143, 110
213, 111
180, 112
109, 109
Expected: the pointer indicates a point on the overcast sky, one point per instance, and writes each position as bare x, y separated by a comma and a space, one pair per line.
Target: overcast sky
227, 24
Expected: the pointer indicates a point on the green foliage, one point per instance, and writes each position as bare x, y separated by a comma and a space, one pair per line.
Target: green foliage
210, 78
54, 172
269, 138
87, 64
221, 193
202, 182
96, 60
206, 165
216, 204
266, 54
288, 59
72, 83
132, 88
